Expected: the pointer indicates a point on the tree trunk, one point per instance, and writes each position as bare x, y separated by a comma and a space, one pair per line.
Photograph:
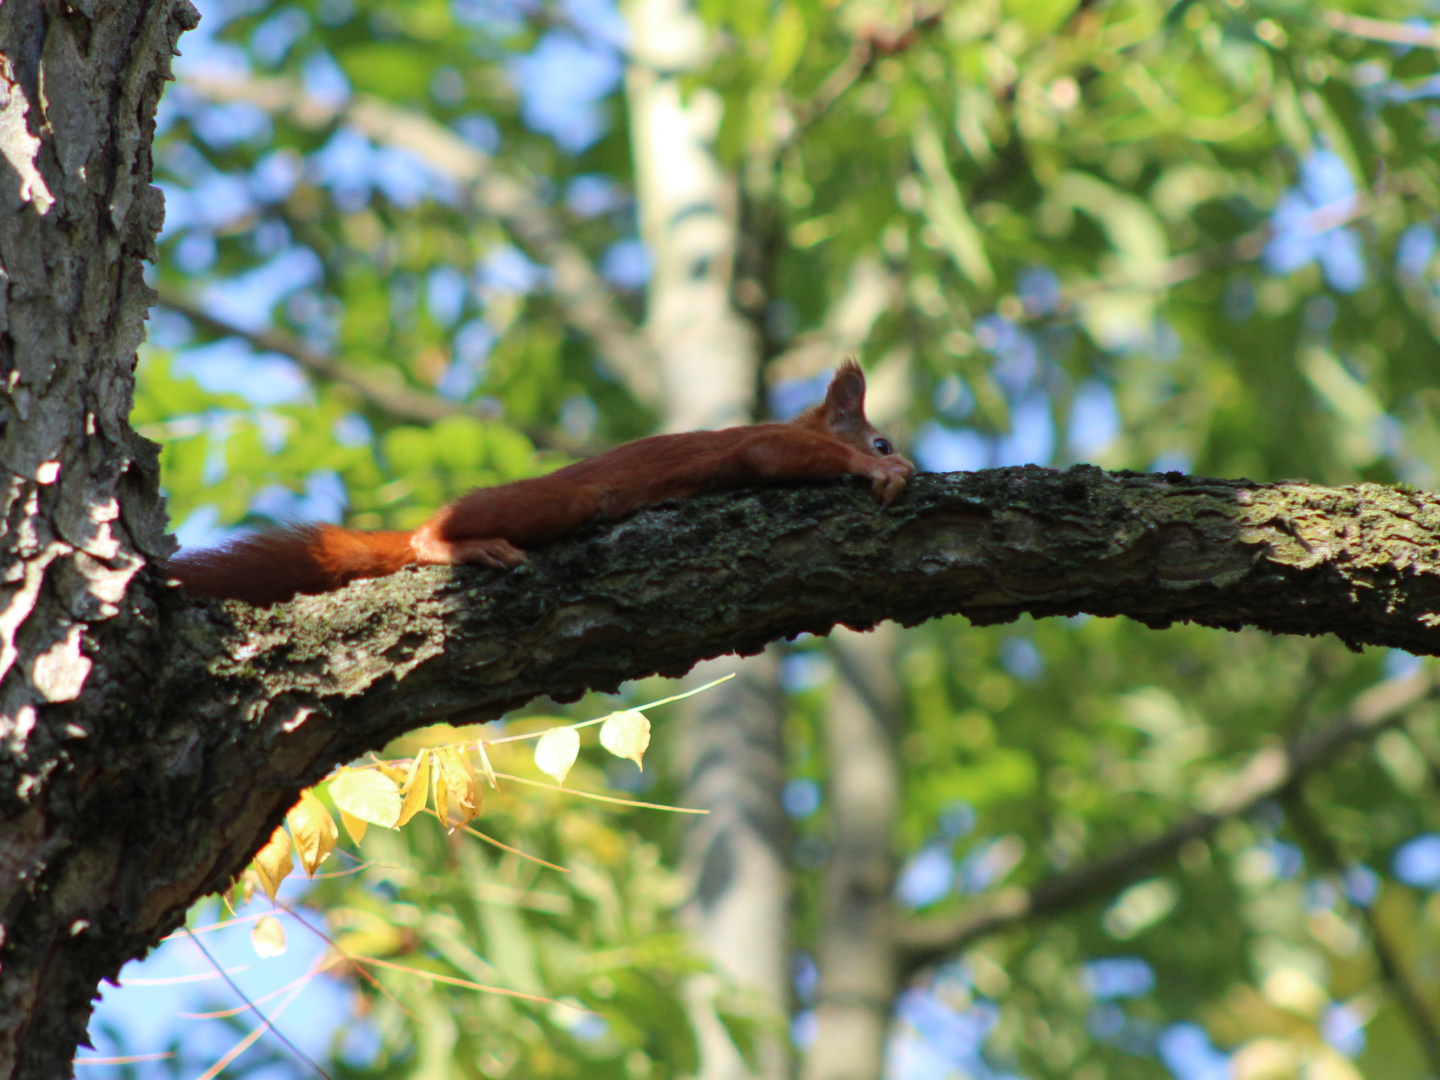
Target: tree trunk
856, 953
687, 220
737, 859
148, 745
81, 512
739, 911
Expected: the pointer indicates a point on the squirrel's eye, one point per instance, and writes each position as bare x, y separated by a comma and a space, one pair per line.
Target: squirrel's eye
883, 446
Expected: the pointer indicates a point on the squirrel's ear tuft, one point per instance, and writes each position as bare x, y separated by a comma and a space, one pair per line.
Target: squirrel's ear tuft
846, 395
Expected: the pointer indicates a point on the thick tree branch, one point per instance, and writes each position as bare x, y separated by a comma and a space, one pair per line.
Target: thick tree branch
1267, 775
254, 704
731, 572
323, 679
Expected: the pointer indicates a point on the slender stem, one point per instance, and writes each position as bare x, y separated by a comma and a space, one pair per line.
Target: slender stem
1267, 775
1379, 30
508, 196
387, 395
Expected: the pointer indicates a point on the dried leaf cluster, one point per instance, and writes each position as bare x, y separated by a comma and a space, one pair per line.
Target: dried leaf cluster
390, 793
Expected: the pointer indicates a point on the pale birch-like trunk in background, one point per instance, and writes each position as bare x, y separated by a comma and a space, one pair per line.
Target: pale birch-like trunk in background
687, 207
734, 763
732, 752
855, 952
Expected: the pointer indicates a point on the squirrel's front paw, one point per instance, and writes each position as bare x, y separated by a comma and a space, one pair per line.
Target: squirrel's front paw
888, 477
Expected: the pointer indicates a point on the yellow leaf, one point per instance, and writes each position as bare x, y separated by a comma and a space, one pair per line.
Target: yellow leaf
243, 889
416, 789
370, 936
273, 863
461, 786
268, 937
314, 831
556, 752
354, 826
442, 794
626, 735
485, 765
1326, 1063
368, 795
1295, 991
398, 770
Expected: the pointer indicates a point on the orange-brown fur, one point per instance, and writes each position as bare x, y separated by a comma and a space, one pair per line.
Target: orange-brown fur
492, 526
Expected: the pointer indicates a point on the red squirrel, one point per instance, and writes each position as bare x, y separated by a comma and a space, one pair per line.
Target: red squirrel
492, 526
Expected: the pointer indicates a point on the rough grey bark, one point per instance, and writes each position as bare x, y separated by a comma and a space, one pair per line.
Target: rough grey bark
855, 952
79, 507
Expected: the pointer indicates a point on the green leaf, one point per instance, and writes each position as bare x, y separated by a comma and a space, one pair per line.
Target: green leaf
391, 70
787, 41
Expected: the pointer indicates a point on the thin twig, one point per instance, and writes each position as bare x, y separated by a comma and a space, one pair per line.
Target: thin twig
266, 1023
588, 303
127, 1059
597, 797
222, 1014
323, 936
865, 52
1393, 33
856, 65
386, 394
467, 984
1189, 265
1267, 774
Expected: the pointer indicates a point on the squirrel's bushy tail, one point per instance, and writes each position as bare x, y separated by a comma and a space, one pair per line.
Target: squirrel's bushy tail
273, 565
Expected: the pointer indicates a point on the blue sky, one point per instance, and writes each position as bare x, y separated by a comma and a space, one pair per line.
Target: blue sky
145, 1013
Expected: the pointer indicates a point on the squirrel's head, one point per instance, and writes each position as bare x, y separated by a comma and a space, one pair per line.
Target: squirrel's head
842, 413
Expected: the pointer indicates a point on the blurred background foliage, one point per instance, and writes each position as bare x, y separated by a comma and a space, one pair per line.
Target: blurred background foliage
1171, 235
